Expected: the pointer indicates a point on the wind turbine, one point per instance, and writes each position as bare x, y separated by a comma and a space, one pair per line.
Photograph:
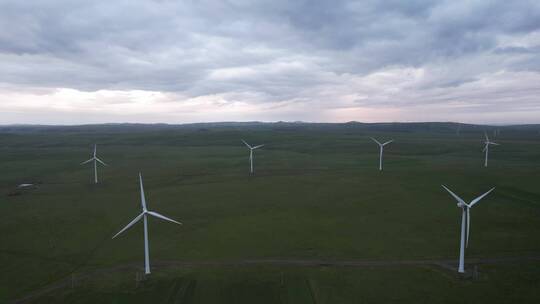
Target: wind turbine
96, 160
381, 146
465, 224
144, 216
486, 148
251, 154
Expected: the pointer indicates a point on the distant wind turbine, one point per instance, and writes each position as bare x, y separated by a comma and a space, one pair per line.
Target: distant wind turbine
251, 154
465, 224
381, 146
96, 160
143, 215
486, 148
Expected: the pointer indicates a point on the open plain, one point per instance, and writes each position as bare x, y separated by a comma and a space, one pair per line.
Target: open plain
316, 223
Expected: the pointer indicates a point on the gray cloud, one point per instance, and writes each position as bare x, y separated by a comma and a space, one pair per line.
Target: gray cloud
315, 52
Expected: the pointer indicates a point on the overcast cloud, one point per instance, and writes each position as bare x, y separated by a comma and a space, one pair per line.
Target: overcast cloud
71, 62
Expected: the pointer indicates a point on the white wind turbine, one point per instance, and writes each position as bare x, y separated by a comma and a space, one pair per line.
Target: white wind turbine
486, 148
381, 147
96, 160
465, 224
144, 215
251, 154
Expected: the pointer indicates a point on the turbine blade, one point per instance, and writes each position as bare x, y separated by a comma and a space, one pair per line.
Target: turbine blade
487, 138
143, 199
378, 143
495, 144
245, 143
454, 195
87, 161
99, 160
386, 143
468, 227
163, 217
95, 150
476, 200
135, 220
256, 147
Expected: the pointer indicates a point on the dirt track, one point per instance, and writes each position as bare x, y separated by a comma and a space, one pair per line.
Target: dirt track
450, 264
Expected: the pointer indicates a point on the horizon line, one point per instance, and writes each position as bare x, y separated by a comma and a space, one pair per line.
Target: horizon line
264, 122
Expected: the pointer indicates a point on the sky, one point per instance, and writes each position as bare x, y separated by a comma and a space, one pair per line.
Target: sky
82, 62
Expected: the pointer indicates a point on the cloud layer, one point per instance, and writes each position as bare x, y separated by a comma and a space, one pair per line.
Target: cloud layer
185, 61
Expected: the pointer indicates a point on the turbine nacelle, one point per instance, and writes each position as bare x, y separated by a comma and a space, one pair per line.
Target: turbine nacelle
251, 147
381, 144
488, 142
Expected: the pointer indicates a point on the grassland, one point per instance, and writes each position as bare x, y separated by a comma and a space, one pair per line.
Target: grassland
316, 195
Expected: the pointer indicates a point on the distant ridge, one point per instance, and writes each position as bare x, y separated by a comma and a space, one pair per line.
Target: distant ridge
442, 127
247, 123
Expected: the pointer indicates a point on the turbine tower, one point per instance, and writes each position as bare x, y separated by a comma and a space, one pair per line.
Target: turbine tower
96, 160
251, 154
486, 148
144, 216
381, 148
465, 224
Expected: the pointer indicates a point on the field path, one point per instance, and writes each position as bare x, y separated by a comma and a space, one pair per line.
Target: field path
450, 264
344, 263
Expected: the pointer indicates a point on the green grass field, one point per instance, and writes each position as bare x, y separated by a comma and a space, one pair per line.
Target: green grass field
317, 194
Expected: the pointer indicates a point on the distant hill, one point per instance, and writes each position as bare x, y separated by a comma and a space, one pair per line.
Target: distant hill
440, 127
